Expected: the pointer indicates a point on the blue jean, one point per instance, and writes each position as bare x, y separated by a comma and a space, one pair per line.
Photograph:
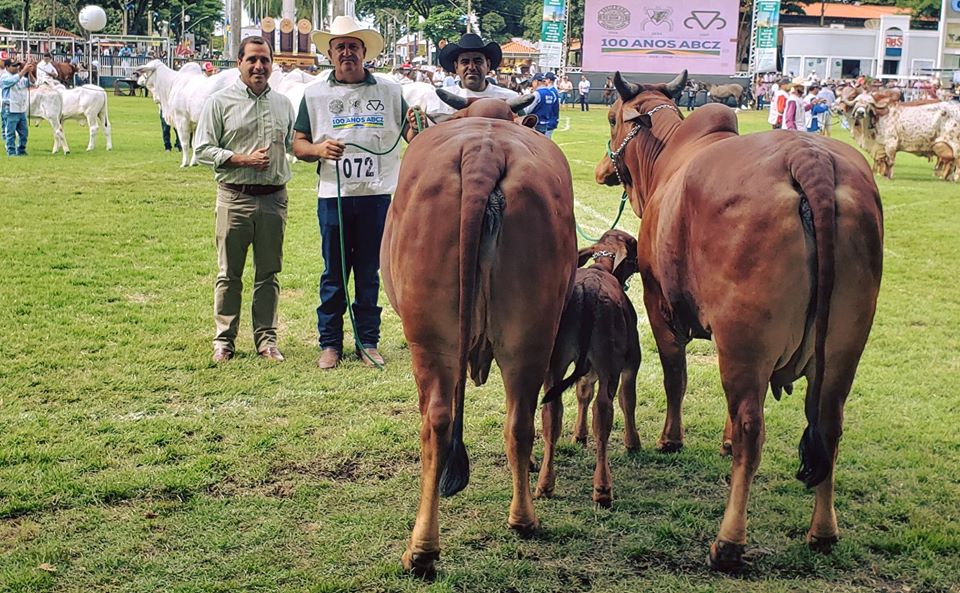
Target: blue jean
15, 124
165, 131
363, 220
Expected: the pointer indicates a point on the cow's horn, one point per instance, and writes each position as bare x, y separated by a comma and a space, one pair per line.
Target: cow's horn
675, 86
455, 101
518, 104
625, 88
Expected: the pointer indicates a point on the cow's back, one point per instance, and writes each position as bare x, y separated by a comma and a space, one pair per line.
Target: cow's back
751, 218
447, 168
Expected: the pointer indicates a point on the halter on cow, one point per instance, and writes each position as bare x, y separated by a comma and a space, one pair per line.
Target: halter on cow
771, 245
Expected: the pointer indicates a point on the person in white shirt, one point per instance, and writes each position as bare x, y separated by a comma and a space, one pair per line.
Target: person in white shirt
472, 60
584, 88
46, 70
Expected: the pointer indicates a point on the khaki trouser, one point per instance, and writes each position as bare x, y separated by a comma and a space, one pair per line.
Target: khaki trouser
243, 220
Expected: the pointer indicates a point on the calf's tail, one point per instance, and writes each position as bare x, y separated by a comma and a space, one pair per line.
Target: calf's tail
481, 217
584, 302
813, 171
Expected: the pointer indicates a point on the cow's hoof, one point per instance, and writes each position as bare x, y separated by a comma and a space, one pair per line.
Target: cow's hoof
669, 446
421, 564
632, 443
543, 491
822, 544
582, 441
726, 449
726, 556
524, 529
534, 466
603, 497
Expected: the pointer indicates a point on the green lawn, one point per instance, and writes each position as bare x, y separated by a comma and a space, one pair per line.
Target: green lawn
128, 462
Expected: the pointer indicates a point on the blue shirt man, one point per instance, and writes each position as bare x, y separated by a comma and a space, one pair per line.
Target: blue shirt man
13, 90
546, 103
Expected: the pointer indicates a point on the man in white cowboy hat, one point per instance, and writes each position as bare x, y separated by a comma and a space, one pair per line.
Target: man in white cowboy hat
472, 60
352, 106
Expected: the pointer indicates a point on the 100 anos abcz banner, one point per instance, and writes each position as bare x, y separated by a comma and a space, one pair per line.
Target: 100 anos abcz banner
661, 36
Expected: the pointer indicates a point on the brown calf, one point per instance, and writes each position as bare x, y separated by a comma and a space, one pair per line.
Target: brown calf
598, 331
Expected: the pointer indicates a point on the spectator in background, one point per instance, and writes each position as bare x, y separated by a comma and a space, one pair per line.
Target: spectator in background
565, 89
584, 88
609, 93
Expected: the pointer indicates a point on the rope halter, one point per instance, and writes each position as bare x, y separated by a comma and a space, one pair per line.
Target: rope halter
616, 155
602, 253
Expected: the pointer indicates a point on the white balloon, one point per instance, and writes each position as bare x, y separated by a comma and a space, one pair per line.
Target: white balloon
92, 18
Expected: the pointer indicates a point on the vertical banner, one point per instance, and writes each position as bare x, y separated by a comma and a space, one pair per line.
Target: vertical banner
552, 32
765, 40
661, 36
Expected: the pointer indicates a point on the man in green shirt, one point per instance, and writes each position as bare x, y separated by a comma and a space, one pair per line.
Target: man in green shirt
244, 134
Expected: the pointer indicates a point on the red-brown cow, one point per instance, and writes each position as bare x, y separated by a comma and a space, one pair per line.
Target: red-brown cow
478, 257
771, 244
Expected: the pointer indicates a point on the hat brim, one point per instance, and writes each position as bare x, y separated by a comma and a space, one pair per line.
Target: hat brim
372, 40
448, 55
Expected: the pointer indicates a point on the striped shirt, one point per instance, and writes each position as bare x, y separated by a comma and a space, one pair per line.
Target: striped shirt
235, 120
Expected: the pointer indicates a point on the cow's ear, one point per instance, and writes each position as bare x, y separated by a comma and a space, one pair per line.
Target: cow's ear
631, 114
529, 121
584, 255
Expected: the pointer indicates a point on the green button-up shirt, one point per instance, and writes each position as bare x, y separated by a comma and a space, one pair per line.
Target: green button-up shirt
235, 120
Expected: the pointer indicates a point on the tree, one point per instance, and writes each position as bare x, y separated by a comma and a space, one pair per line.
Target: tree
493, 27
442, 23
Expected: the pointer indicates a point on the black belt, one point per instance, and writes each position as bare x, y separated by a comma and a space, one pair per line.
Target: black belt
252, 189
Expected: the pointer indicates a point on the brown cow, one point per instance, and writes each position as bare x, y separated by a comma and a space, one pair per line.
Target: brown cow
65, 72
598, 331
478, 257
770, 244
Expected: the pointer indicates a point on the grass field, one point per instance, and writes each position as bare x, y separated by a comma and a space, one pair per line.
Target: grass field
128, 462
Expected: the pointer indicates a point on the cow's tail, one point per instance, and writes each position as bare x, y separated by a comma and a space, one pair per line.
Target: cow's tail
814, 172
481, 217
105, 113
583, 301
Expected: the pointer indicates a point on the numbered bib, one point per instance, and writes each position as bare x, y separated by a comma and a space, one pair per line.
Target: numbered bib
358, 168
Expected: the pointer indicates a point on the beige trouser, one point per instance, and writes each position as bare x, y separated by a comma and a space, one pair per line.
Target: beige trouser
243, 220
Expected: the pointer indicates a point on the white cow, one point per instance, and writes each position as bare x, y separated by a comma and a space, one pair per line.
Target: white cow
47, 103
88, 105
181, 95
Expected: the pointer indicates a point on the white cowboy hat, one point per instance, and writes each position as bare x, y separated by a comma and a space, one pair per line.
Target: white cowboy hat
346, 26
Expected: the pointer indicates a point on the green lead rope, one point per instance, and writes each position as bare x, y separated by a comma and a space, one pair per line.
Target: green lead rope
343, 256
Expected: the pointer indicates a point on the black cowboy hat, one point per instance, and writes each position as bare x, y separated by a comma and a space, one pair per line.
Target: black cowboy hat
470, 42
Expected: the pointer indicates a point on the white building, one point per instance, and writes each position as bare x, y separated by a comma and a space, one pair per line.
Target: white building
888, 48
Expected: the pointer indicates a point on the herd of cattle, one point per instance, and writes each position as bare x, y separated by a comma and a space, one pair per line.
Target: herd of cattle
779, 265
882, 125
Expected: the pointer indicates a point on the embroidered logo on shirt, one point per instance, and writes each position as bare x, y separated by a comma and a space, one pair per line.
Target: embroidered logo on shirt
375, 105
335, 106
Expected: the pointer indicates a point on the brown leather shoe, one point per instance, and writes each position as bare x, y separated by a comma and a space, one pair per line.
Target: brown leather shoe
221, 354
271, 353
368, 355
329, 358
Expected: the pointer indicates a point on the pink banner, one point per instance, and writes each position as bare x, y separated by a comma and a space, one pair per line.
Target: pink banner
661, 36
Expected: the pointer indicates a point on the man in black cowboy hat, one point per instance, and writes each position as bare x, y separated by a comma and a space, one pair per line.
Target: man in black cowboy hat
472, 59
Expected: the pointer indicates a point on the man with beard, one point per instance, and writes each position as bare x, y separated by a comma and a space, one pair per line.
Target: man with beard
352, 107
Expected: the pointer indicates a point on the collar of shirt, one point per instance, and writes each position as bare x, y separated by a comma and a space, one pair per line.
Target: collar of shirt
368, 79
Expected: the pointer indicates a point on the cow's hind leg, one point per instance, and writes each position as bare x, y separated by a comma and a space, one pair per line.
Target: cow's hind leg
585, 388
673, 358
552, 418
522, 385
745, 391
840, 371
628, 397
92, 124
602, 424
436, 382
